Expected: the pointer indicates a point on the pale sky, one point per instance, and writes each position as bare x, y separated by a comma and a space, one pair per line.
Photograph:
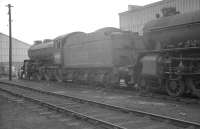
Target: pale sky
42, 19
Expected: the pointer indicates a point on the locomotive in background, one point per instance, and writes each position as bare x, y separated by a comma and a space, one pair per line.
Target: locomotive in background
99, 57
165, 58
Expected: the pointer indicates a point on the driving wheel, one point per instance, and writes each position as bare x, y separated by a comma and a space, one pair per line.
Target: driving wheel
38, 76
194, 84
143, 85
175, 88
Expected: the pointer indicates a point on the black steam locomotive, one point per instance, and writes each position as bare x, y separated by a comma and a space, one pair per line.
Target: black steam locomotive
165, 58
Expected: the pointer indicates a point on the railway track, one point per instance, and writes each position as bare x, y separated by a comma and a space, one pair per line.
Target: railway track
101, 114
160, 96
153, 95
47, 115
185, 100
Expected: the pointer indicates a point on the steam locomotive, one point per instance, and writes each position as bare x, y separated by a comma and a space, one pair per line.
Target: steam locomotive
165, 58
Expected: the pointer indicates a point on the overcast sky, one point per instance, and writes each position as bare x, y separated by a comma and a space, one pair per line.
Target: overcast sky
40, 19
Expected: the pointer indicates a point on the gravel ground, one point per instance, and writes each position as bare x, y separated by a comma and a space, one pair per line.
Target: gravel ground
180, 111
16, 116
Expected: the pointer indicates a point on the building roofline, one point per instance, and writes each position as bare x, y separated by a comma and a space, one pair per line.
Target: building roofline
145, 6
15, 39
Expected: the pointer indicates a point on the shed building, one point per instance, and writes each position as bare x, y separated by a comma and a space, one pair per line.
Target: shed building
137, 16
19, 53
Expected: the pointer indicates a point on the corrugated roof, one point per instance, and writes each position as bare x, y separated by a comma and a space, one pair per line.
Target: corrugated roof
145, 6
15, 39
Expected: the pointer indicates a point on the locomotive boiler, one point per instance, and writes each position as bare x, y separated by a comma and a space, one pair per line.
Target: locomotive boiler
175, 31
171, 61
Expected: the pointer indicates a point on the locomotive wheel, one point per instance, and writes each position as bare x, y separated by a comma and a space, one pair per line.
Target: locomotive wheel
75, 76
22, 76
101, 77
58, 76
175, 88
106, 79
127, 80
143, 85
85, 76
90, 78
38, 76
46, 76
115, 80
194, 84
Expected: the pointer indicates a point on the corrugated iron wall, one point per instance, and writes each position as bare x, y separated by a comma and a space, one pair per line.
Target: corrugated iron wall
19, 53
134, 20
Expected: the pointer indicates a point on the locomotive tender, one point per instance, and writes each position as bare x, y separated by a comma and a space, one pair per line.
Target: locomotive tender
165, 58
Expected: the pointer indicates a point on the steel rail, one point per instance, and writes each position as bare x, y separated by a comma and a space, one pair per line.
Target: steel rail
173, 121
61, 109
